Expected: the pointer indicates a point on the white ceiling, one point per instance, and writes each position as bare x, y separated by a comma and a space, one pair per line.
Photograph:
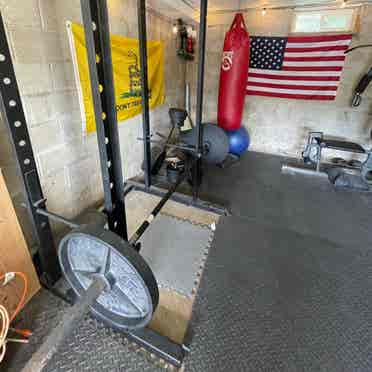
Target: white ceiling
189, 8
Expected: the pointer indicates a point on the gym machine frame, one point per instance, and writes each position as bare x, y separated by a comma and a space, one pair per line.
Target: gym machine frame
96, 27
197, 151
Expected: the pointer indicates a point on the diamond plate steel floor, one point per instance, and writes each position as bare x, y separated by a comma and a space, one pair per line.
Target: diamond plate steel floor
175, 258
274, 300
92, 347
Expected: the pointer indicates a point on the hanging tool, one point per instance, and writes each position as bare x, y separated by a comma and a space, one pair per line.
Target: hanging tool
364, 81
361, 87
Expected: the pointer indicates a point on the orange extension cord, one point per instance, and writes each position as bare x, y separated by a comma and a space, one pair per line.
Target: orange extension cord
4, 315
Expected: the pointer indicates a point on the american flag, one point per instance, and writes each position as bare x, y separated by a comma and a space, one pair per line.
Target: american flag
307, 67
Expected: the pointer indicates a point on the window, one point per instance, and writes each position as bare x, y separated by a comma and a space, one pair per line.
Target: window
336, 20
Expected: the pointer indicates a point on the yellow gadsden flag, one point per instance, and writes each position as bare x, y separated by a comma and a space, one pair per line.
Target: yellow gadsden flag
125, 60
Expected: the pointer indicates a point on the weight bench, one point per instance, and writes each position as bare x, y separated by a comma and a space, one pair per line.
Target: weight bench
317, 143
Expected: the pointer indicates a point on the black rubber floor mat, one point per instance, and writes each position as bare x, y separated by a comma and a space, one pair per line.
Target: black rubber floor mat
274, 300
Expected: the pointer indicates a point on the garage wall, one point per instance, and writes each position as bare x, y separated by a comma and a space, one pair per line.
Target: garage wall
67, 158
280, 126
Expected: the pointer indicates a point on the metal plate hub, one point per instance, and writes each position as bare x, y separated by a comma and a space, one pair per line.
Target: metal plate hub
132, 293
215, 142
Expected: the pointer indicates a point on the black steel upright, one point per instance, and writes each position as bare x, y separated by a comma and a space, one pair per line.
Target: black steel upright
97, 36
199, 95
14, 119
142, 35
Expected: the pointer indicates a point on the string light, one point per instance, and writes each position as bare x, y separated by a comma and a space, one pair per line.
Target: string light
263, 11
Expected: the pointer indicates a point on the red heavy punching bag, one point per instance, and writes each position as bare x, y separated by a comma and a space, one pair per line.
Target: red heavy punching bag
233, 75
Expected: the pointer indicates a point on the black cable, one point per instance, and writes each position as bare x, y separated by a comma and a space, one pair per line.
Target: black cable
358, 47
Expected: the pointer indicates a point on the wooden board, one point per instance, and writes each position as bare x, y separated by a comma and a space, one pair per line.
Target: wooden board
14, 253
172, 315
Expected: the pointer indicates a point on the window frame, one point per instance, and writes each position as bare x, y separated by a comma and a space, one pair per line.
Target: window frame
354, 27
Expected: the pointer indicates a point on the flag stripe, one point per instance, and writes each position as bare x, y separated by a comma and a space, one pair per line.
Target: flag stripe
313, 59
296, 83
293, 91
318, 49
328, 53
312, 68
293, 87
294, 78
318, 45
320, 38
291, 96
313, 64
298, 73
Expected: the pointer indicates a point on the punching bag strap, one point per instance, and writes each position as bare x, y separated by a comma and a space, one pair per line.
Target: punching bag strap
238, 21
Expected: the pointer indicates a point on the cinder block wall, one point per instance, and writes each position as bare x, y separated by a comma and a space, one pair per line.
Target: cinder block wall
280, 126
67, 157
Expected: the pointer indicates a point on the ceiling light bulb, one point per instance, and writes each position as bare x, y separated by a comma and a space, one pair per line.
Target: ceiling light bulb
263, 11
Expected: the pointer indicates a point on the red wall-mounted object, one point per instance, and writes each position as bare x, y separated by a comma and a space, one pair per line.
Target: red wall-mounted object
233, 75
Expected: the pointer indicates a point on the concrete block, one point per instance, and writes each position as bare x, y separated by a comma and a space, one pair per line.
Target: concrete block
79, 185
56, 190
33, 78
71, 125
118, 15
62, 102
35, 46
38, 109
96, 186
215, 37
48, 13
64, 41
133, 29
63, 76
60, 156
68, 10
120, 26
25, 13
46, 136
131, 148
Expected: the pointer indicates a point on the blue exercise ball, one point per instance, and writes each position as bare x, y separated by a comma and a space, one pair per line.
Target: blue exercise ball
238, 141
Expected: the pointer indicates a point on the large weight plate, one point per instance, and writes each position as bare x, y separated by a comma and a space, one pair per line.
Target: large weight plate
132, 296
214, 138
